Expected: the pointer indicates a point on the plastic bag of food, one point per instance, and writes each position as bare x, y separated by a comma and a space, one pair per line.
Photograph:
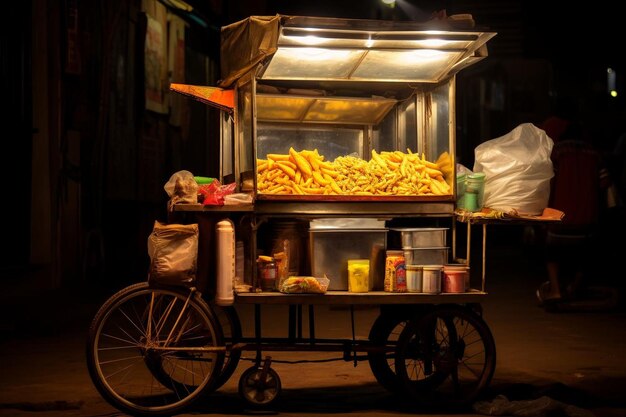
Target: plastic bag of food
182, 188
518, 169
173, 251
213, 194
304, 285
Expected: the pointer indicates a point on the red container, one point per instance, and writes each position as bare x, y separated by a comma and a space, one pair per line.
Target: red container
454, 279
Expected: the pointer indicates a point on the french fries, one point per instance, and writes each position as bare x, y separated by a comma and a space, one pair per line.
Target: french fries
306, 172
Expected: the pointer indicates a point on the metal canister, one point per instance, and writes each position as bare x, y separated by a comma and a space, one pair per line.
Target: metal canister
395, 272
431, 279
414, 278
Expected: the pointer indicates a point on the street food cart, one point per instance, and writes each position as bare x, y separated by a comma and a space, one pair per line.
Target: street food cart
327, 125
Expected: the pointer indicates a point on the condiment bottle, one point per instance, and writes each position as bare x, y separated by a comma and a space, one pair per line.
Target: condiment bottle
268, 271
225, 262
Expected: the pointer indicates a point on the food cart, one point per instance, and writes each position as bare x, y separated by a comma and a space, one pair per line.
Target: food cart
338, 130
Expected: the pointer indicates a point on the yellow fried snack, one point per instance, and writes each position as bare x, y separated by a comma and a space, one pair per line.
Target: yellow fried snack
302, 163
387, 173
301, 285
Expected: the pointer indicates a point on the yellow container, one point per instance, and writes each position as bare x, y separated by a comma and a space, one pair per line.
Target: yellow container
358, 275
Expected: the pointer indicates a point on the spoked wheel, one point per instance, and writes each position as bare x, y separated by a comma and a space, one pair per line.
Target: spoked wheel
260, 386
447, 358
231, 328
154, 351
385, 333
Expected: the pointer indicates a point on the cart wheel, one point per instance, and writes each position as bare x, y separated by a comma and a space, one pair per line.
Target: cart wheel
260, 386
453, 350
152, 351
384, 333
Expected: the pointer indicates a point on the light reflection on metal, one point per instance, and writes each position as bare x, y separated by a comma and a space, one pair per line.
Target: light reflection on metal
351, 50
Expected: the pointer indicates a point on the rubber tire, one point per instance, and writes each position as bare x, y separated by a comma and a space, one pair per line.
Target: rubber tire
259, 394
114, 308
386, 330
448, 357
231, 329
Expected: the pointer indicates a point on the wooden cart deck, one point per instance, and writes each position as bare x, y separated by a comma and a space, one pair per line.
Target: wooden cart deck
350, 298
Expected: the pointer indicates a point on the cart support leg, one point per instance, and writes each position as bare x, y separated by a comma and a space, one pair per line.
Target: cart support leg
292, 322
353, 335
299, 307
311, 324
257, 332
469, 241
484, 267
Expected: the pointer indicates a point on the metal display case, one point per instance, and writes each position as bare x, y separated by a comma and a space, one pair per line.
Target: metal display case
323, 113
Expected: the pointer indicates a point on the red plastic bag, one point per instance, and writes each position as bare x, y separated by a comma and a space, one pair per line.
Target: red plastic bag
213, 194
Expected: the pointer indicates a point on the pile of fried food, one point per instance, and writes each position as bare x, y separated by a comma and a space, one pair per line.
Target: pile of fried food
304, 285
395, 173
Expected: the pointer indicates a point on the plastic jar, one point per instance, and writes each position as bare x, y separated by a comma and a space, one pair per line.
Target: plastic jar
358, 275
460, 190
414, 278
431, 279
475, 191
454, 278
395, 271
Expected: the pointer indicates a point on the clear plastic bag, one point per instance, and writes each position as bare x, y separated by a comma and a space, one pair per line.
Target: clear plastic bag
182, 188
173, 251
518, 169
304, 285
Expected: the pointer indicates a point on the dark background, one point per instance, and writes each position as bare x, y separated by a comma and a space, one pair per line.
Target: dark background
84, 163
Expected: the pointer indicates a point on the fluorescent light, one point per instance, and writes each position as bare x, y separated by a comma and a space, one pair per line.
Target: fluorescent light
320, 53
434, 43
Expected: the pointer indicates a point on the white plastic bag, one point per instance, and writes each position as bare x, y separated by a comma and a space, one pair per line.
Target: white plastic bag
517, 169
173, 250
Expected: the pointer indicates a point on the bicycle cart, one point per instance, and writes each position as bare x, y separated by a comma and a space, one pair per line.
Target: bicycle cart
314, 125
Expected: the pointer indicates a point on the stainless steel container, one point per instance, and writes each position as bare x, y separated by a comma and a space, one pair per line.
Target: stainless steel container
423, 237
426, 256
330, 250
431, 279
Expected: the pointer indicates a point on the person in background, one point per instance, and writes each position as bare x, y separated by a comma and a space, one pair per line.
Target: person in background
576, 189
564, 110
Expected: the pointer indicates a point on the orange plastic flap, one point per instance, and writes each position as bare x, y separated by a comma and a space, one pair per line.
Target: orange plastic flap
213, 96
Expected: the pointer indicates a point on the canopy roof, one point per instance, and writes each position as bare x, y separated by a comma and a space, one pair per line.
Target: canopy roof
302, 48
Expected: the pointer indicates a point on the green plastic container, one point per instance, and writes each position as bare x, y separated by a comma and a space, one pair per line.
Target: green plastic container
460, 191
475, 184
204, 180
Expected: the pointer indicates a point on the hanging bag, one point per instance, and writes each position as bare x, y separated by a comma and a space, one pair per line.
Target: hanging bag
173, 250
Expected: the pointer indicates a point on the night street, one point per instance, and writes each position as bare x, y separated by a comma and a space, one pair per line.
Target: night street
274, 151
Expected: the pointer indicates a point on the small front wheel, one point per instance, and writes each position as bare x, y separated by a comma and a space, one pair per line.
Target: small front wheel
260, 386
